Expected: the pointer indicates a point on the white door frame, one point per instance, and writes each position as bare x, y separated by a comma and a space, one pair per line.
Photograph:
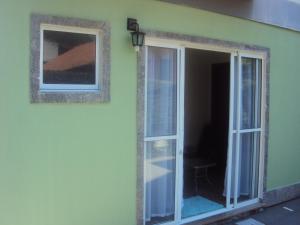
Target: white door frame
180, 46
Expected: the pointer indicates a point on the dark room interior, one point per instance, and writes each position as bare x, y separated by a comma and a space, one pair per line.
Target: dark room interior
206, 130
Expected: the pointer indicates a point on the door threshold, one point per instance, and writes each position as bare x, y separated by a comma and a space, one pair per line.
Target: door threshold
225, 215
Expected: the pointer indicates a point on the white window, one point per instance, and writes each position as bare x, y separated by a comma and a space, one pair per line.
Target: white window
69, 58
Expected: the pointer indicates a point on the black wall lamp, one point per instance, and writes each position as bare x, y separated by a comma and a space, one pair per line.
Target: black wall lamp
137, 37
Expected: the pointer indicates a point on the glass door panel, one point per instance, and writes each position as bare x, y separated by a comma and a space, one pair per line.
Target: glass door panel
250, 93
248, 166
160, 181
248, 107
229, 185
161, 135
161, 92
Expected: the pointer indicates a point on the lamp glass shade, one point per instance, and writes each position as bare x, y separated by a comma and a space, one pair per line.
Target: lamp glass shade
138, 38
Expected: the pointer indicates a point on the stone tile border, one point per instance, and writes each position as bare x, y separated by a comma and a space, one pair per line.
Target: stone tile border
103, 95
140, 135
282, 194
141, 108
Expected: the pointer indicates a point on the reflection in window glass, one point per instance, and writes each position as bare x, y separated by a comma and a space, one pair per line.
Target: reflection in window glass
69, 58
160, 180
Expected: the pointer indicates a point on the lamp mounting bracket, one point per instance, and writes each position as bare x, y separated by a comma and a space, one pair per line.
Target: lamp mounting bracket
132, 24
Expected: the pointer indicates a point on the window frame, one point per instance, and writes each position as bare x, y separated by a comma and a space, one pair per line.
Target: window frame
69, 93
69, 87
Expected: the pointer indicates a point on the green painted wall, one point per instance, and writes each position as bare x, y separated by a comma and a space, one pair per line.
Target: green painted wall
75, 164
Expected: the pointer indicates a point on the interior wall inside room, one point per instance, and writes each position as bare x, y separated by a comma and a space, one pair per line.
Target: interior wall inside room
198, 93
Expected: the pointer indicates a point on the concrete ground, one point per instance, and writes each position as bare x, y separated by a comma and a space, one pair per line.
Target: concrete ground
287, 213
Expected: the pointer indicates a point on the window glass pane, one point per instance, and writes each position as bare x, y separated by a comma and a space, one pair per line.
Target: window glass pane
251, 93
69, 58
248, 166
161, 91
160, 176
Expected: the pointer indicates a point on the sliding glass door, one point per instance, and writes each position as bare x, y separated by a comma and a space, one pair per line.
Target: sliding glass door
246, 129
161, 134
164, 131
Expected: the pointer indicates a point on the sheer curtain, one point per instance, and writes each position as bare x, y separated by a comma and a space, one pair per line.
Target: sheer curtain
161, 117
161, 92
160, 178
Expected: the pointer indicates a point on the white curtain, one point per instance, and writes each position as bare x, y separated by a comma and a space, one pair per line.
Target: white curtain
161, 92
161, 121
245, 166
160, 179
